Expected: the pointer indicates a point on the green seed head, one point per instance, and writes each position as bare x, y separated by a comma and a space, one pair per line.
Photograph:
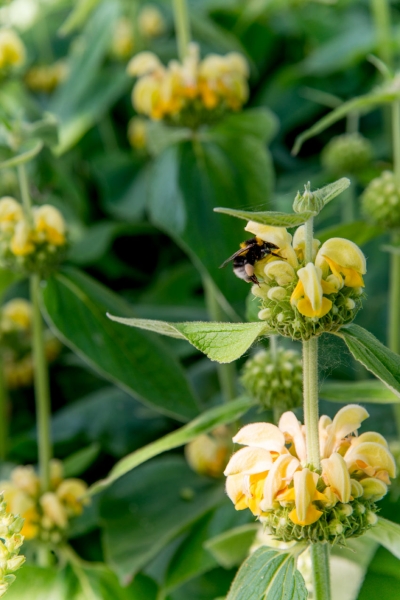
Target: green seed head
381, 201
347, 154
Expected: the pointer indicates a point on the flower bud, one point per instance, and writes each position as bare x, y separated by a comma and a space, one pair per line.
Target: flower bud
381, 201
284, 369
151, 22
208, 454
12, 50
346, 154
307, 201
137, 133
123, 42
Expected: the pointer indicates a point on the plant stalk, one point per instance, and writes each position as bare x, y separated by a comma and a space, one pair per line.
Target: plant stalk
227, 372
182, 27
321, 575
319, 551
4, 413
381, 16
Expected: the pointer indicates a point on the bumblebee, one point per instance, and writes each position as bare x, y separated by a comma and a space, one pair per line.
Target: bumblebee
250, 252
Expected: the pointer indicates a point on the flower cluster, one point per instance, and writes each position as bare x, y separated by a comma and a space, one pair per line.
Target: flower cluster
274, 378
208, 454
381, 201
10, 543
31, 243
45, 515
347, 154
302, 300
16, 343
46, 78
192, 92
271, 476
12, 50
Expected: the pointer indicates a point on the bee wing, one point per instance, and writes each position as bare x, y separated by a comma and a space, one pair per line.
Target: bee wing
238, 253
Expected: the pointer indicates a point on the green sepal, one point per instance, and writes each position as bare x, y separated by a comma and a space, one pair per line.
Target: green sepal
222, 342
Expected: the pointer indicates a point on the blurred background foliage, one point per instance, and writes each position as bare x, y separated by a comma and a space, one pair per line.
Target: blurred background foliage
141, 224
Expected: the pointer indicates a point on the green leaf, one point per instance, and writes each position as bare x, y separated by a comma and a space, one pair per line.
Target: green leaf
375, 357
188, 180
136, 528
383, 578
222, 342
38, 583
160, 136
276, 219
268, 575
259, 122
361, 104
327, 193
29, 151
77, 463
227, 413
387, 534
45, 130
78, 16
76, 307
358, 232
358, 391
231, 547
391, 249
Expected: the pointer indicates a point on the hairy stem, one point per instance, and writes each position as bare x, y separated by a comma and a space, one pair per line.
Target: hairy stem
310, 395
309, 233
182, 27
226, 373
321, 576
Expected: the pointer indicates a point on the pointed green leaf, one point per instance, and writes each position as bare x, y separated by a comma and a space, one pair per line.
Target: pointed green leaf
369, 390
361, 104
276, 219
77, 463
259, 122
268, 575
220, 415
222, 342
76, 307
375, 357
387, 534
330, 191
231, 547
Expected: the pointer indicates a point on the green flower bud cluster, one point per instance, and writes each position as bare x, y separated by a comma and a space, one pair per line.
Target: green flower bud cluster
284, 318
336, 524
347, 153
274, 379
10, 542
381, 201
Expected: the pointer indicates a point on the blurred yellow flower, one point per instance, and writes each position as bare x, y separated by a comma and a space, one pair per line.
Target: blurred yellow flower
137, 133
49, 225
151, 22
16, 314
12, 50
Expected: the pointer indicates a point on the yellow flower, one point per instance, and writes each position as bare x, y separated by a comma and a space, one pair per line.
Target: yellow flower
346, 421
22, 242
21, 503
137, 133
308, 294
10, 213
25, 479
70, 493
299, 243
336, 475
49, 225
12, 50
45, 78
53, 511
16, 314
275, 235
306, 493
208, 454
123, 42
144, 63
344, 260
151, 22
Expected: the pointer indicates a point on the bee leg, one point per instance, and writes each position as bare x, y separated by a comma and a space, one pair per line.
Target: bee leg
254, 279
278, 255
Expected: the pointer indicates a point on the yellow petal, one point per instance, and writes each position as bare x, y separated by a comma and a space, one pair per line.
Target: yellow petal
297, 293
277, 479
329, 287
143, 63
370, 436
261, 435
248, 461
304, 307
311, 280
336, 475
373, 489
234, 488
373, 455
291, 427
281, 271
304, 487
275, 235
312, 515
356, 488
344, 253
347, 420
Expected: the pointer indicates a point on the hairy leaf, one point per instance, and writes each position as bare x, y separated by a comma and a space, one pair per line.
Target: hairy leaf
357, 391
231, 547
222, 342
276, 219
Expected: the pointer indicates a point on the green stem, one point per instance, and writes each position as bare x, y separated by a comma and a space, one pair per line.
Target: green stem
42, 391
396, 139
182, 27
226, 373
381, 15
310, 395
321, 576
309, 235
4, 413
24, 187
348, 205
353, 122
